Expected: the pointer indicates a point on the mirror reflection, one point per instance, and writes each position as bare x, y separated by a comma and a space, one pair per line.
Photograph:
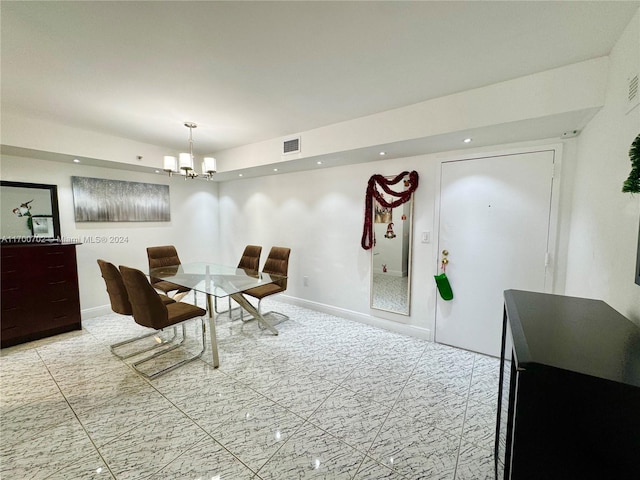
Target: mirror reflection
391, 258
29, 212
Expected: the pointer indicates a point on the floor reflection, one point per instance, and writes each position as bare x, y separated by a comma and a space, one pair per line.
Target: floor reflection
391, 293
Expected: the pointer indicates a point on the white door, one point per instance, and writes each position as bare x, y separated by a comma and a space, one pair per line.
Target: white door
494, 224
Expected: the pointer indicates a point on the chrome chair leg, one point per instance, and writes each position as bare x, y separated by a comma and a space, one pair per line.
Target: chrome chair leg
215, 305
162, 352
159, 344
234, 309
272, 312
173, 347
229, 309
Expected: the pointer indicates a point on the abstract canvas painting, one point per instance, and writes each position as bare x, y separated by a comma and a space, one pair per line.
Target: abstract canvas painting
104, 200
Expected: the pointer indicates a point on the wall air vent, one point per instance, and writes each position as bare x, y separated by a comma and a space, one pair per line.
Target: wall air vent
290, 146
633, 95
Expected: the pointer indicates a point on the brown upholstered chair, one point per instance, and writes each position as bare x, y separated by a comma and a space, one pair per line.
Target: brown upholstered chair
165, 256
150, 312
277, 263
119, 300
249, 261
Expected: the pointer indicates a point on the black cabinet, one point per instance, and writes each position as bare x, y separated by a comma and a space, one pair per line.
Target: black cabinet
39, 291
569, 396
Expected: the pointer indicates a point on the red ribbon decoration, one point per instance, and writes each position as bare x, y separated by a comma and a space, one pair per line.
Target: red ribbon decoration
368, 240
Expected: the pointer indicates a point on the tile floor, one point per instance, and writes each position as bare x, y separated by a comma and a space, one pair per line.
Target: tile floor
326, 399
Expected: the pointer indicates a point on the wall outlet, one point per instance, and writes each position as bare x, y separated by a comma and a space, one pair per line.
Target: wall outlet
305, 281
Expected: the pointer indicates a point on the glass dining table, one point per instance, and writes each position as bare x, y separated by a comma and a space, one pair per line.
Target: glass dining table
219, 281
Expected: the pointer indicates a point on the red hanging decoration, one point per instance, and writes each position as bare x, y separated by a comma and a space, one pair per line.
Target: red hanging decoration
411, 184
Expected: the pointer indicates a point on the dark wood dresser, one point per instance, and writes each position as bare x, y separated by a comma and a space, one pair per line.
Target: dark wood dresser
40, 294
569, 397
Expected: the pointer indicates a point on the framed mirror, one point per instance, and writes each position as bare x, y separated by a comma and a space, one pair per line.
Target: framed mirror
391, 258
29, 212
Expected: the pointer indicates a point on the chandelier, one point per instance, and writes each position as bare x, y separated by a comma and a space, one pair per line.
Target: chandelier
185, 161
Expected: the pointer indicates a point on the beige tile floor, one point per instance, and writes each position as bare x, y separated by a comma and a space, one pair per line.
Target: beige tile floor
328, 398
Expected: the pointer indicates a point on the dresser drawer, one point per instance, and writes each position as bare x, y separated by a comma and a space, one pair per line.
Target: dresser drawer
11, 264
12, 268
56, 263
13, 335
58, 289
39, 292
57, 273
11, 256
12, 298
71, 319
57, 255
11, 285
13, 316
36, 264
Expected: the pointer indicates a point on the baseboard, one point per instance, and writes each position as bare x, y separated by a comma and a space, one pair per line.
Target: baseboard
410, 330
95, 312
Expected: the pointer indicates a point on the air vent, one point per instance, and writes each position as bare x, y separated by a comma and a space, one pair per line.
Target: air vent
291, 146
633, 96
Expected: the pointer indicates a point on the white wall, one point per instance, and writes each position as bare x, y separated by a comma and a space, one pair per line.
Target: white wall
604, 226
319, 215
193, 228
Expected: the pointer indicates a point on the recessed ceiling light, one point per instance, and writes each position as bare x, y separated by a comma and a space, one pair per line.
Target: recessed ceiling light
467, 140
239, 174
383, 154
275, 169
157, 171
75, 160
319, 162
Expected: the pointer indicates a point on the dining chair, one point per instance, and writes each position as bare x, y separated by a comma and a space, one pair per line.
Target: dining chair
249, 261
165, 256
277, 263
119, 300
149, 311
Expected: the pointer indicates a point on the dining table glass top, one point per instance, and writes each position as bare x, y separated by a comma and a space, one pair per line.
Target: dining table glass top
213, 279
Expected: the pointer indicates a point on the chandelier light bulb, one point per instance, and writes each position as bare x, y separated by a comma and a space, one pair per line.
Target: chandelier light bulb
170, 164
186, 162
209, 165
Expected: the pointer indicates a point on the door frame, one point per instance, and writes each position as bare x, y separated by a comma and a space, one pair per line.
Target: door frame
554, 208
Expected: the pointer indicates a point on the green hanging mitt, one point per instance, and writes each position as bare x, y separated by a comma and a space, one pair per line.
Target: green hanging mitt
444, 287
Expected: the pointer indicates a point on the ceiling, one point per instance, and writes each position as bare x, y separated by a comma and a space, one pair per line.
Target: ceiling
252, 71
